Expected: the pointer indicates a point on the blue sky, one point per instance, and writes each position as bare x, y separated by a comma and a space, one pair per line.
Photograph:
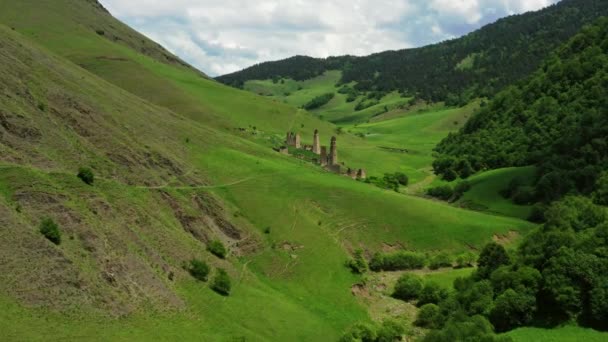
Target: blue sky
222, 36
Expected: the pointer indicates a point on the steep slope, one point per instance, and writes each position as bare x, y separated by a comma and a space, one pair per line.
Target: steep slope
556, 119
479, 64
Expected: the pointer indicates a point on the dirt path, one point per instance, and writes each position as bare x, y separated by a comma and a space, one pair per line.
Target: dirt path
416, 188
166, 186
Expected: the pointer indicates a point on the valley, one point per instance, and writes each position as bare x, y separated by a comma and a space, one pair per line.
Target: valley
182, 162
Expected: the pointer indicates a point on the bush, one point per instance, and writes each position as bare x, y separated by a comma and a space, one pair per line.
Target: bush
319, 101
199, 269
397, 261
216, 247
221, 282
402, 178
50, 230
360, 332
524, 195
511, 310
86, 175
537, 215
390, 331
450, 175
440, 260
466, 259
357, 264
408, 287
443, 192
429, 316
432, 293
461, 189
491, 258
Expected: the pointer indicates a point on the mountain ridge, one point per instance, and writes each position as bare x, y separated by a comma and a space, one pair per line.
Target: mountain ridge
513, 46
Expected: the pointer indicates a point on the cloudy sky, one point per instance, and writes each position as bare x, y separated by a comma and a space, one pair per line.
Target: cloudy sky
222, 36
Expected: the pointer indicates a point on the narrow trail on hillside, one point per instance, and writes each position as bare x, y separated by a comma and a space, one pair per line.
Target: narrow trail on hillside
194, 187
412, 190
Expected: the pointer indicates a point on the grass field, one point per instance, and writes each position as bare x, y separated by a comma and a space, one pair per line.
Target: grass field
562, 334
485, 192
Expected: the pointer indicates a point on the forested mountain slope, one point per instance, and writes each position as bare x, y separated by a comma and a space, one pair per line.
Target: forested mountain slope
478, 64
556, 119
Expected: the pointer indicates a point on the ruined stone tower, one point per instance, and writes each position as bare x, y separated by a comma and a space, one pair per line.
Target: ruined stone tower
333, 152
361, 174
288, 139
323, 155
316, 145
297, 142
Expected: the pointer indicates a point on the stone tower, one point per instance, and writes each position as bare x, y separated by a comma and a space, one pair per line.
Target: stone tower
323, 155
297, 142
288, 139
316, 145
361, 174
333, 152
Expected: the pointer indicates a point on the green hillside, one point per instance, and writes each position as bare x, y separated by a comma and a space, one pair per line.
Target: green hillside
477, 65
177, 164
556, 120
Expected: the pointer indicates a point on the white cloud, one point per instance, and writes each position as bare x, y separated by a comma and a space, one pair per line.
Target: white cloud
222, 36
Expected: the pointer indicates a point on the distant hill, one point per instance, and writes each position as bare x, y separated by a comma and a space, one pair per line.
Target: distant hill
557, 119
478, 64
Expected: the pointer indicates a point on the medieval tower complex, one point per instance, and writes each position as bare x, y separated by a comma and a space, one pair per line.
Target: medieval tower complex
328, 157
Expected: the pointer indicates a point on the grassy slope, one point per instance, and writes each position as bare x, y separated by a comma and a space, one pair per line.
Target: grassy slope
561, 334
297, 271
338, 110
485, 192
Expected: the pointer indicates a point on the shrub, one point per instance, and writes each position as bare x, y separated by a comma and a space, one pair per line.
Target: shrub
461, 189
216, 247
491, 258
524, 195
319, 101
408, 287
440, 260
511, 310
199, 269
429, 316
360, 332
397, 261
390, 331
221, 282
50, 230
432, 293
537, 215
402, 178
466, 259
86, 175
358, 264
450, 175
443, 192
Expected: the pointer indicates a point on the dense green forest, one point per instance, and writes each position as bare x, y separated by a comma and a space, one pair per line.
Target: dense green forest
557, 119
479, 64
558, 275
